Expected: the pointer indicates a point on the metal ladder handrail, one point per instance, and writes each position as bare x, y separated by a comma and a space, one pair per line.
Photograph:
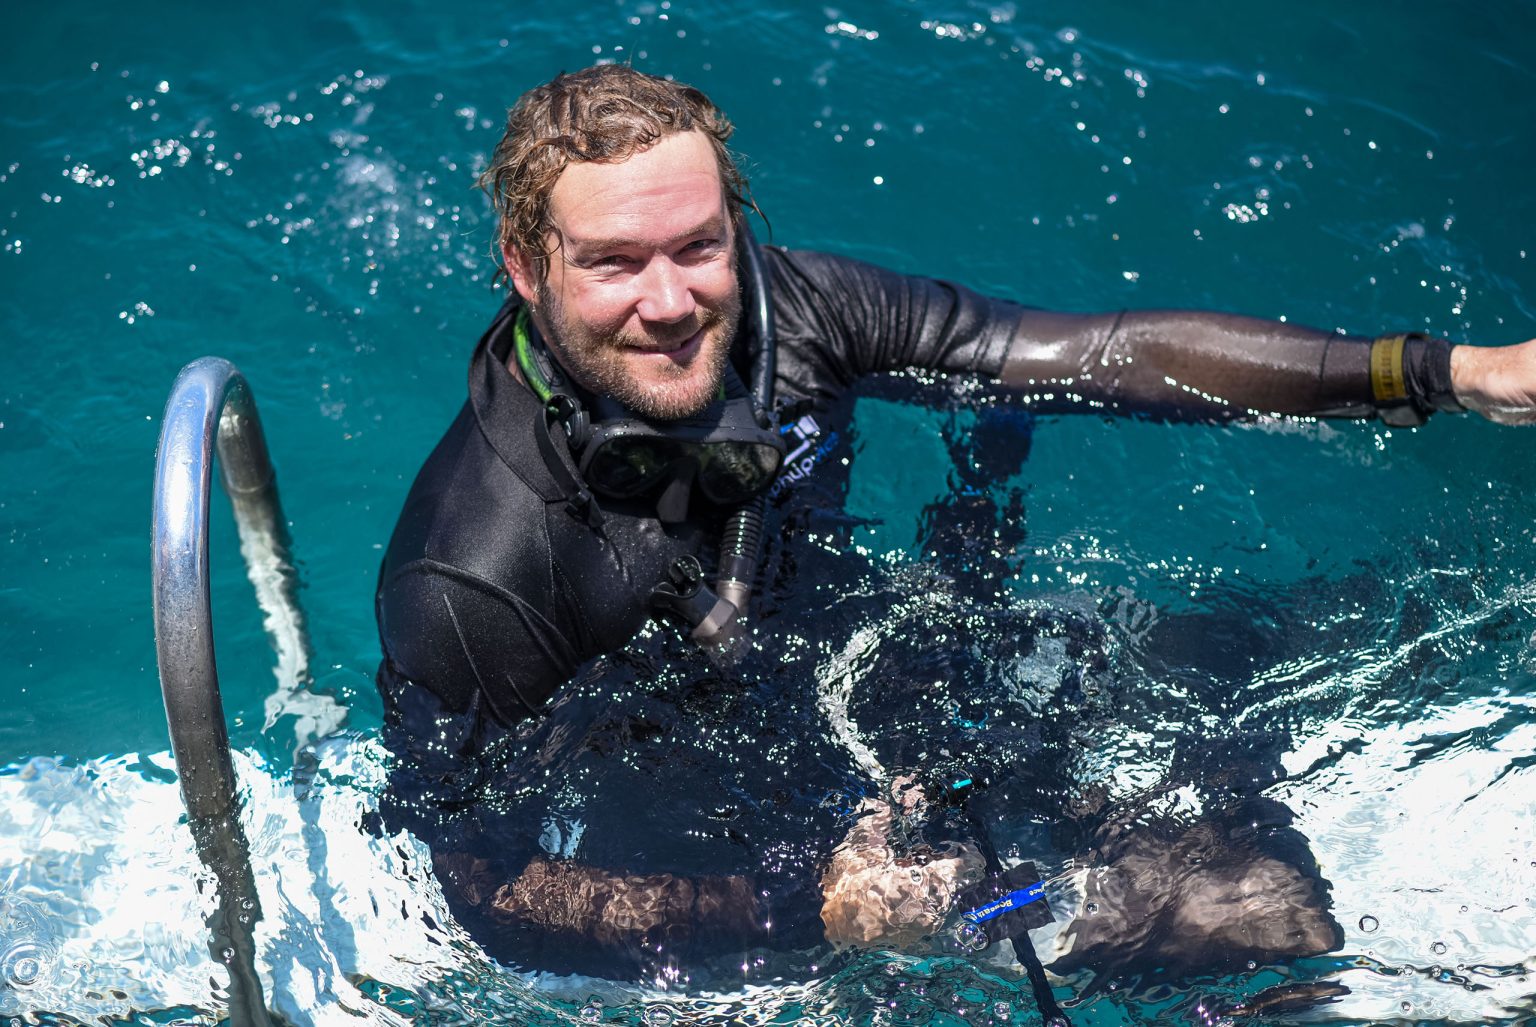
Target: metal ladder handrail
211, 406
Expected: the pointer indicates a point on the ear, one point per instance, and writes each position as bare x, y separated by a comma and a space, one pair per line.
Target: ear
520, 271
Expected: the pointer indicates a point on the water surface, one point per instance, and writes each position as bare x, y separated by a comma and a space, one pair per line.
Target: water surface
292, 189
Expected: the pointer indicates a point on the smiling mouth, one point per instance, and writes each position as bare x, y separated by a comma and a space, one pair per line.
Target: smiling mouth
681, 348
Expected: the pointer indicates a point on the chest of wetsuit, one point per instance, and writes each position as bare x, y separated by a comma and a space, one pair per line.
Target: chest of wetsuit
495, 588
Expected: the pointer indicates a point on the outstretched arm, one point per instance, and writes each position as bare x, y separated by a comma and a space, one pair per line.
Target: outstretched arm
878, 894
841, 319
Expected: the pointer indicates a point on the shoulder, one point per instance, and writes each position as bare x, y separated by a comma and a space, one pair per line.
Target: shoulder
826, 307
840, 319
826, 293
811, 274
463, 488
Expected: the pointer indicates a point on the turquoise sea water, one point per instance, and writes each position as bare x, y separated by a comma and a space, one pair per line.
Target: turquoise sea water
292, 189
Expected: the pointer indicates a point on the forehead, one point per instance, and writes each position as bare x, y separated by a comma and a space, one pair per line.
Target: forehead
655, 195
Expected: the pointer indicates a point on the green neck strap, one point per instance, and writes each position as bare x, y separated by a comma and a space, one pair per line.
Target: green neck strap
537, 380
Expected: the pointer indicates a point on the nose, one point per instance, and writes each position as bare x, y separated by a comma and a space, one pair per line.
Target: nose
664, 293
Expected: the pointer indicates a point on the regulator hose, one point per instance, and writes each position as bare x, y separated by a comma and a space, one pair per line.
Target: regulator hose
740, 543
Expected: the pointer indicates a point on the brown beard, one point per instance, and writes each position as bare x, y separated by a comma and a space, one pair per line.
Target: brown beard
592, 358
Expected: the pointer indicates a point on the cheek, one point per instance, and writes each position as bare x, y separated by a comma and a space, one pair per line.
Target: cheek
603, 308
717, 287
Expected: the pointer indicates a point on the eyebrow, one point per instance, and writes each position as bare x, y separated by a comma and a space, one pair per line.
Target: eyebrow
574, 246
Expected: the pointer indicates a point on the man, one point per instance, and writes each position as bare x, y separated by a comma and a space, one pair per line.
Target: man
615, 431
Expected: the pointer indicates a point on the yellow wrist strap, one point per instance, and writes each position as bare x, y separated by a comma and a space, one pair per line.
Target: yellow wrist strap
1388, 382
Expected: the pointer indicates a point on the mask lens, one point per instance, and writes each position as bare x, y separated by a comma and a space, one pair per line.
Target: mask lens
631, 464
732, 472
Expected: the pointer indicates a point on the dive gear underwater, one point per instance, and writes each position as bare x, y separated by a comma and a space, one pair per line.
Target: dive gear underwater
1010, 901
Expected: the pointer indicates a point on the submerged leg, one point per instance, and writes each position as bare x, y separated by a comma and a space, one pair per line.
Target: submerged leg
1193, 895
1219, 878
562, 915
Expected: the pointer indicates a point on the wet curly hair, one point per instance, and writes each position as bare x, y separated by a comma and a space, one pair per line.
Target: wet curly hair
607, 114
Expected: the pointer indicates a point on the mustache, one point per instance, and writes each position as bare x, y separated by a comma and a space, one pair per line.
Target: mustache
704, 321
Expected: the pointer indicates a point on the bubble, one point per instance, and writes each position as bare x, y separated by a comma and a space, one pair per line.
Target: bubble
971, 937
1438, 948
590, 1014
1368, 924
1091, 909
659, 1016
25, 971
1252, 965
23, 965
1057, 1021
1001, 1010
1406, 1007
892, 969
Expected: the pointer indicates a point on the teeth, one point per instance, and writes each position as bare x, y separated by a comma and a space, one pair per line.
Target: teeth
671, 347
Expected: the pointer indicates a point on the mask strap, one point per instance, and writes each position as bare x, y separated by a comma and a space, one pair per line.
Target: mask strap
547, 383
533, 360
578, 498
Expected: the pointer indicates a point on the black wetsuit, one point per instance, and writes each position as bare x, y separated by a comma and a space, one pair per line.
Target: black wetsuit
496, 589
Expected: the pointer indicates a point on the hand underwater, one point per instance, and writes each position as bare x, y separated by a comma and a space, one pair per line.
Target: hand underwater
1498, 382
874, 896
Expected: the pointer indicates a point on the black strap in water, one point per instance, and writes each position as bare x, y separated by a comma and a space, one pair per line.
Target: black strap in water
1014, 902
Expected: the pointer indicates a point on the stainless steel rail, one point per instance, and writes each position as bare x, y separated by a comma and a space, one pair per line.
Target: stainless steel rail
210, 404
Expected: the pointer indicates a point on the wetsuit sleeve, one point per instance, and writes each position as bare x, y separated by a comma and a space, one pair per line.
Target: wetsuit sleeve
1201, 365
855, 319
